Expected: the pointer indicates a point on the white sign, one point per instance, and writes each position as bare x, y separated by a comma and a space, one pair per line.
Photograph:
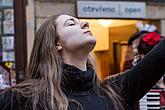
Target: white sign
106, 9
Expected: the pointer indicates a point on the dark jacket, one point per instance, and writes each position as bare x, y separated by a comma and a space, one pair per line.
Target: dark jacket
81, 86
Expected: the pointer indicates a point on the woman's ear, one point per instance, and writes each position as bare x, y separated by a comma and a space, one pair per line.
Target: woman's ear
58, 46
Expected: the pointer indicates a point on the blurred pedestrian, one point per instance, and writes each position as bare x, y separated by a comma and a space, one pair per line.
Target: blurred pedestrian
146, 44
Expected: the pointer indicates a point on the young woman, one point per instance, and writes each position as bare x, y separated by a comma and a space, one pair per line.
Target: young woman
61, 75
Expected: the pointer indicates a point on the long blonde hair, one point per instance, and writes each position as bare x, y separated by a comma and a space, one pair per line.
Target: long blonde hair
45, 71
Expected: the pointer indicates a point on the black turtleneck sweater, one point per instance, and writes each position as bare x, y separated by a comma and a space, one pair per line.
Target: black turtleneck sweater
81, 86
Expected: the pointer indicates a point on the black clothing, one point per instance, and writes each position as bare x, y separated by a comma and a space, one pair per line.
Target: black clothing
128, 65
132, 85
81, 86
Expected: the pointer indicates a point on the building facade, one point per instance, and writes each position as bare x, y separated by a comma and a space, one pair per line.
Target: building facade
38, 11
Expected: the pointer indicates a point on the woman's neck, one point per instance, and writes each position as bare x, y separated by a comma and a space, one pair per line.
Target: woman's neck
79, 62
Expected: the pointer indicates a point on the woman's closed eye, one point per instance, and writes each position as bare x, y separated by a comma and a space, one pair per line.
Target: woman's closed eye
71, 24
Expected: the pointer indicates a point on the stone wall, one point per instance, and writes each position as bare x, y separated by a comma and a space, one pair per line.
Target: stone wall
30, 18
155, 11
46, 9
56, 0
163, 27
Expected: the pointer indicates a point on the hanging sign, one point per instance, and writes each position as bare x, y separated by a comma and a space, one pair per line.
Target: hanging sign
109, 9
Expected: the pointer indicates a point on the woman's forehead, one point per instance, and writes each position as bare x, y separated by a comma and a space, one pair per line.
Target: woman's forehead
63, 18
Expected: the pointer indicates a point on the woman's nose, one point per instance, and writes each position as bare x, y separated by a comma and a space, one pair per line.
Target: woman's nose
84, 24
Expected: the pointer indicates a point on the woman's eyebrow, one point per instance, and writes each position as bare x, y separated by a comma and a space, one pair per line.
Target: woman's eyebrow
72, 19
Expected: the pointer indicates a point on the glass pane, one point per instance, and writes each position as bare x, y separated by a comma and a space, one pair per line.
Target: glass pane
8, 22
6, 3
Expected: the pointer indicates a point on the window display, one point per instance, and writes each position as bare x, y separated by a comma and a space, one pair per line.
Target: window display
7, 48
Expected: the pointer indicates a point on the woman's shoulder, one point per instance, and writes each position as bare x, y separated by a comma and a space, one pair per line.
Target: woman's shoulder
13, 99
114, 81
6, 97
7, 93
117, 78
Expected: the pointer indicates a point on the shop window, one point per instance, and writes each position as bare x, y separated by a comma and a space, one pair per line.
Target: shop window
7, 45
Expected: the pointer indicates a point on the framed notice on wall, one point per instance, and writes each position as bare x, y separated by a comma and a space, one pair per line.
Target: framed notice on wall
8, 15
8, 43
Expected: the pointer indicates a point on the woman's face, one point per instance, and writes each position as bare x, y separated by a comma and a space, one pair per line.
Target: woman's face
74, 35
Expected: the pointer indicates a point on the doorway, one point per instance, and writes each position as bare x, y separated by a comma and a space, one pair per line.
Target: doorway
111, 50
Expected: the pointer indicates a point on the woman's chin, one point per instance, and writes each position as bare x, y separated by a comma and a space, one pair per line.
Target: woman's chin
91, 40
91, 44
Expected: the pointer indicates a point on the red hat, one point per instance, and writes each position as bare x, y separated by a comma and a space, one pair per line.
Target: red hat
151, 38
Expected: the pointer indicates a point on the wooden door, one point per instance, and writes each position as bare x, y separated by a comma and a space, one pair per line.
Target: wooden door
118, 44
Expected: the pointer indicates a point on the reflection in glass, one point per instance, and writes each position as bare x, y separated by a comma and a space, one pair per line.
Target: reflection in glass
8, 27
9, 15
7, 2
8, 43
8, 56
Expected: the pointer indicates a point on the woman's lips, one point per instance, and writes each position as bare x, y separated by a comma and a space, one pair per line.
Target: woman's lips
88, 32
